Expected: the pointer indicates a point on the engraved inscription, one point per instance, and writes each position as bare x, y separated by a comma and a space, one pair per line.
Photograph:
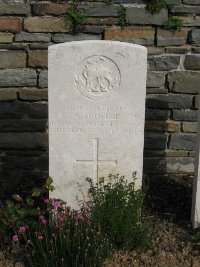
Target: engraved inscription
96, 160
97, 77
95, 120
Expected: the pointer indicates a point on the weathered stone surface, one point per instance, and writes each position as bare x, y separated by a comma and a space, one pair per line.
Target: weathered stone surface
155, 114
16, 162
194, 37
155, 79
155, 141
196, 102
40, 46
139, 15
185, 9
192, 62
6, 37
32, 37
12, 59
173, 2
169, 101
30, 94
153, 90
24, 162
169, 165
15, 9
191, 2
23, 141
184, 81
178, 50
70, 95
14, 46
61, 38
23, 125
12, 24
167, 126
164, 62
166, 37
190, 20
46, 24
101, 21
20, 110
95, 10
50, 9
20, 77
93, 29
8, 94
152, 50
138, 35
38, 58
189, 127
43, 79
196, 49
183, 141
185, 115
169, 153
129, 1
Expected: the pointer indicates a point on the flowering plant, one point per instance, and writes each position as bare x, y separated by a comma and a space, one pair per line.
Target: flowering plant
64, 237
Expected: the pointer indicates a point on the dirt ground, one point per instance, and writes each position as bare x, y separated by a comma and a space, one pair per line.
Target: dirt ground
167, 216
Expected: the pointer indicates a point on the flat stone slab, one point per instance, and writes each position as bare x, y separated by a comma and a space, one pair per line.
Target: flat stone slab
96, 113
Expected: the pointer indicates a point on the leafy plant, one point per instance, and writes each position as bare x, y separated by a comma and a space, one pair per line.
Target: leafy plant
75, 16
154, 6
64, 237
21, 210
196, 240
108, 2
122, 16
117, 208
173, 23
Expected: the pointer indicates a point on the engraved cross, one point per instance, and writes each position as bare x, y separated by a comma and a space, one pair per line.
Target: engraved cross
96, 162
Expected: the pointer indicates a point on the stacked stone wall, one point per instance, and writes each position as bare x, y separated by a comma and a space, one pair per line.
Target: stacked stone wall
173, 83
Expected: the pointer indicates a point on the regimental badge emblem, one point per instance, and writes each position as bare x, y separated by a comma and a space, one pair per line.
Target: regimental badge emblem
97, 77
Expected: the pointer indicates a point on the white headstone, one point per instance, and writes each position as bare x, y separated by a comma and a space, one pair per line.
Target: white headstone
96, 113
195, 217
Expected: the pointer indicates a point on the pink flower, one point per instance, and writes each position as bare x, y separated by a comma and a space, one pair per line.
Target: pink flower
15, 238
41, 217
44, 221
79, 217
56, 204
40, 237
22, 229
87, 208
46, 200
59, 218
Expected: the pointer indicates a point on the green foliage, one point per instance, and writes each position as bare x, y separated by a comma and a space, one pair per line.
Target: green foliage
75, 16
173, 23
63, 237
122, 16
21, 210
154, 6
108, 2
196, 240
117, 209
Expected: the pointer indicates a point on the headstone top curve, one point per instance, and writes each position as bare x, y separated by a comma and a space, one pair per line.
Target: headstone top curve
84, 42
